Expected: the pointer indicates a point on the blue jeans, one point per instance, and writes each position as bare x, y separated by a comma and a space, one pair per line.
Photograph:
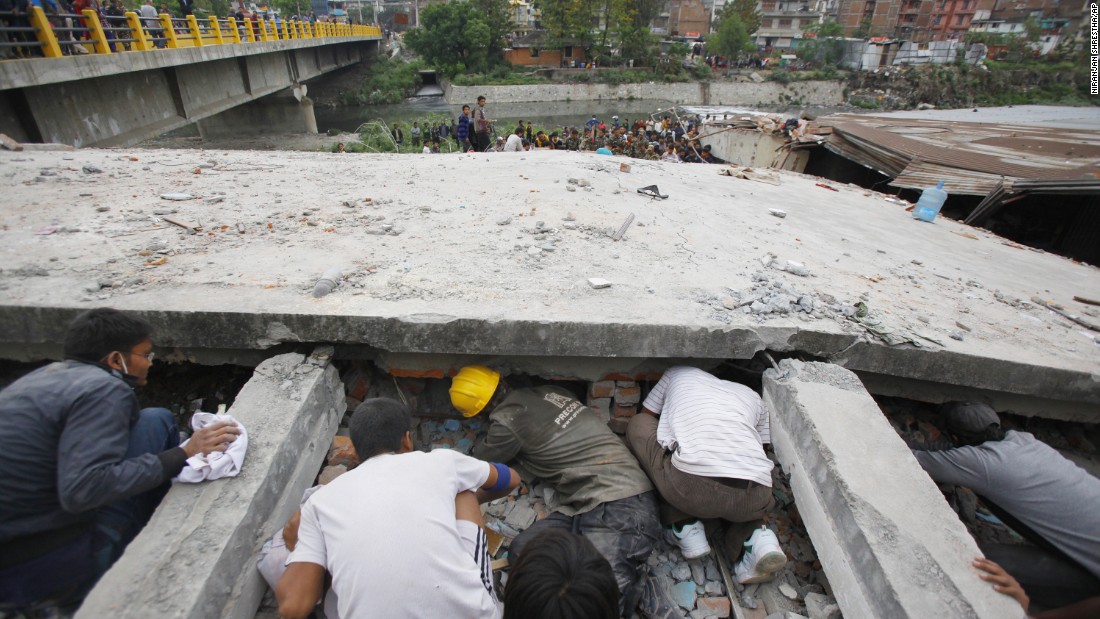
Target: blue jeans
63, 576
118, 523
623, 531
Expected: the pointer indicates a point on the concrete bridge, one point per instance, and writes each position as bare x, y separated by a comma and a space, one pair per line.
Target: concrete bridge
179, 72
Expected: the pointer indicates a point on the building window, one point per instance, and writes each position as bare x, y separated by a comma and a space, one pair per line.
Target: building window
869, 7
784, 23
960, 19
568, 51
534, 52
939, 19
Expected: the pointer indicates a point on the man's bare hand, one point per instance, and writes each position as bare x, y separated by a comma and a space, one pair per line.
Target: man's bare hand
1003, 582
214, 437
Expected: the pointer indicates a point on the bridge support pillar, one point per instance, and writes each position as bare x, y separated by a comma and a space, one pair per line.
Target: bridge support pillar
277, 113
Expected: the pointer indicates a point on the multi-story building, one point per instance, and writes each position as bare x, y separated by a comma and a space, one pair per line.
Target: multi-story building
951, 19
524, 15
685, 18
782, 21
869, 17
914, 20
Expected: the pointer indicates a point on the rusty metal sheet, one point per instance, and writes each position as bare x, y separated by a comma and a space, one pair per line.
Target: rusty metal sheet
975, 150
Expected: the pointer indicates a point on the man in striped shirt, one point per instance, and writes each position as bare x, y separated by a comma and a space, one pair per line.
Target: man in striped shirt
701, 441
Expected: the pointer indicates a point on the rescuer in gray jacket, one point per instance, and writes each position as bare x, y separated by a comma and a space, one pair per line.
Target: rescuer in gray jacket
84, 467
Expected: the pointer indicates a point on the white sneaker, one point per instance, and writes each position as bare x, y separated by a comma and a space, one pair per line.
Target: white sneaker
692, 539
762, 559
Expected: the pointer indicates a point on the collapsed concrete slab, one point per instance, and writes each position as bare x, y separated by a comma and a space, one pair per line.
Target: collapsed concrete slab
888, 541
490, 255
196, 557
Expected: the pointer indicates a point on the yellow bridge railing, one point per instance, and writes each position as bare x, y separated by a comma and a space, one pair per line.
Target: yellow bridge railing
56, 34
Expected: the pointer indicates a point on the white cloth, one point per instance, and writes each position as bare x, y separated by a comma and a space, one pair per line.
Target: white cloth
514, 144
148, 11
714, 427
218, 464
387, 533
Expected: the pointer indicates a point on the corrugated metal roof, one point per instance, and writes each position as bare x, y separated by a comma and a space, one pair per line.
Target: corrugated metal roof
920, 174
970, 156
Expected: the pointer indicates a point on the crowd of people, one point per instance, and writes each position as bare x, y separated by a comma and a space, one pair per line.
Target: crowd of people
657, 137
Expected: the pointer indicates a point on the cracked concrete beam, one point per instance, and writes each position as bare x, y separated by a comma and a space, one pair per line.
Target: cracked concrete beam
890, 544
196, 557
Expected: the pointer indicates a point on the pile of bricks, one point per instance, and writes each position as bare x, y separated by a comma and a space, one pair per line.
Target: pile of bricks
615, 400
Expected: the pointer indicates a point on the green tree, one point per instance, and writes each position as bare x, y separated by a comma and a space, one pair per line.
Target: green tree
496, 15
864, 30
745, 10
730, 38
821, 44
568, 21
453, 37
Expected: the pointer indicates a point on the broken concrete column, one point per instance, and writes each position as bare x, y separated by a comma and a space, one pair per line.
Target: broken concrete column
889, 542
196, 557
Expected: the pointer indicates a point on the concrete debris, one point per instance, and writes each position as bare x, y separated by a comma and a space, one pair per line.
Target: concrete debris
179, 197
820, 606
683, 593
778, 213
91, 169
504, 221
796, 268
328, 282
570, 188
597, 282
788, 591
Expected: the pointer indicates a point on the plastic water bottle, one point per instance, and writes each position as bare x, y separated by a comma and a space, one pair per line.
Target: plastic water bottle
931, 200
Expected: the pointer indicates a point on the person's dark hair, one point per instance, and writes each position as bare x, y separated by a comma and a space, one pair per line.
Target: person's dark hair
561, 575
465, 107
377, 426
481, 97
518, 131
96, 333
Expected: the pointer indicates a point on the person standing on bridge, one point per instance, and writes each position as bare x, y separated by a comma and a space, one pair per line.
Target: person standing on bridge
84, 466
483, 125
187, 7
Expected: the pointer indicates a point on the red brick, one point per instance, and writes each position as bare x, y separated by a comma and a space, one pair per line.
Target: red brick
719, 607
409, 373
628, 395
618, 425
342, 452
601, 389
330, 473
357, 382
617, 376
599, 404
627, 411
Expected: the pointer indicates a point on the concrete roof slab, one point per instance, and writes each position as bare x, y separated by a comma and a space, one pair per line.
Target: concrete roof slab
447, 257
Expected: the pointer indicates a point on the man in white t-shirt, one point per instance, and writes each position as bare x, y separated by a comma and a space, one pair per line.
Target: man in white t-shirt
400, 533
701, 440
515, 142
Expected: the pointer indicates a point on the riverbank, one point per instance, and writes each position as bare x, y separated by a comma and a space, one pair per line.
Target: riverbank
743, 93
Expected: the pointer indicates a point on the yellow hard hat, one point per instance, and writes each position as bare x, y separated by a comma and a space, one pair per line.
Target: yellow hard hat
472, 388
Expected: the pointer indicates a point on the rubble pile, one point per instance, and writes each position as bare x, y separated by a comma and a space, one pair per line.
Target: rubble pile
698, 586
